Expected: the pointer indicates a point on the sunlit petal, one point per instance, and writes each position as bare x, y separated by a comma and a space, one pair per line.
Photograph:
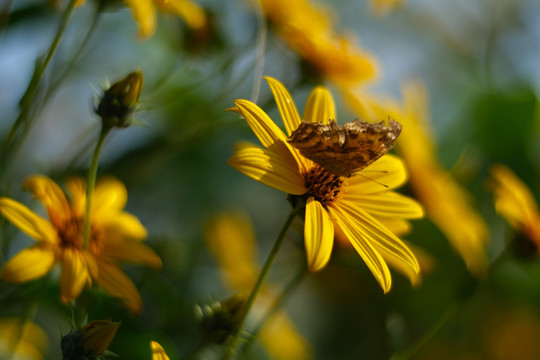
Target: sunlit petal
77, 188
109, 195
363, 246
271, 169
133, 252
190, 12
123, 226
263, 127
318, 235
384, 174
29, 264
285, 103
27, 221
387, 204
118, 284
320, 106
157, 351
144, 15
378, 235
52, 197
74, 274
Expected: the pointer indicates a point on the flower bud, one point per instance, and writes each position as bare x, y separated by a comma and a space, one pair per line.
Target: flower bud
221, 319
118, 102
90, 341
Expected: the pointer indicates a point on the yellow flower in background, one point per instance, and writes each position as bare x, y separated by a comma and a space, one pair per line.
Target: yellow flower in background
383, 7
446, 203
144, 13
157, 351
231, 240
22, 342
115, 236
307, 29
515, 202
351, 204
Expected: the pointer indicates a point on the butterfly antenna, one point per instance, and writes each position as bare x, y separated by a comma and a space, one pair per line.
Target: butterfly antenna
375, 181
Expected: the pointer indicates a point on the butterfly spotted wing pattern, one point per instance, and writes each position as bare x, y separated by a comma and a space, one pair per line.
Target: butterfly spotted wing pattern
343, 150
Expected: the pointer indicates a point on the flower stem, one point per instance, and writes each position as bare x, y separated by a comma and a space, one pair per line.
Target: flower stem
276, 305
266, 267
30, 93
91, 182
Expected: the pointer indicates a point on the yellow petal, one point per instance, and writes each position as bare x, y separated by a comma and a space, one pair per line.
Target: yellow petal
51, 196
263, 127
318, 235
133, 252
123, 226
363, 246
144, 15
109, 195
270, 168
157, 351
386, 173
320, 106
27, 221
378, 235
118, 284
398, 227
513, 199
29, 264
74, 274
287, 109
237, 259
387, 204
77, 188
283, 341
192, 14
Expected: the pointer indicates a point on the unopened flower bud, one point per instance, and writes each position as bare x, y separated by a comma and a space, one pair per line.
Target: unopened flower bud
90, 341
118, 102
221, 319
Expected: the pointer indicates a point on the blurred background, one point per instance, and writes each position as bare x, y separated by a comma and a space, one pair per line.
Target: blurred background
478, 61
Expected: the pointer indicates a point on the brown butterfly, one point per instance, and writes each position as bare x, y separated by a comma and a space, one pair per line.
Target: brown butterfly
343, 150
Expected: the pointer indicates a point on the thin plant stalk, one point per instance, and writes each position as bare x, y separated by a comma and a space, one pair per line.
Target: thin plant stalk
262, 276
91, 183
30, 93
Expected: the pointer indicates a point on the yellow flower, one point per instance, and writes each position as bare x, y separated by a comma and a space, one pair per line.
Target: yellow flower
383, 7
115, 236
348, 204
515, 202
308, 31
144, 13
231, 240
28, 343
157, 351
446, 203
145, 16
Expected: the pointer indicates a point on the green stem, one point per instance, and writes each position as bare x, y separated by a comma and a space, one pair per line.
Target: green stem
409, 353
91, 183
266, 268
289, 289
31, 90
76, 57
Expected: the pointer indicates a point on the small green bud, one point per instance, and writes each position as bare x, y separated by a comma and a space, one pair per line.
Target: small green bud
118, 102
90, 341
221, 319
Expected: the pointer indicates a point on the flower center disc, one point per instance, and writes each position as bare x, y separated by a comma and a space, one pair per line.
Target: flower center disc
322, 184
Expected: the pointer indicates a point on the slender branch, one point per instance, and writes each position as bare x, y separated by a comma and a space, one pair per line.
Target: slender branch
276, 305
30, 93
91, 182
266, 267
